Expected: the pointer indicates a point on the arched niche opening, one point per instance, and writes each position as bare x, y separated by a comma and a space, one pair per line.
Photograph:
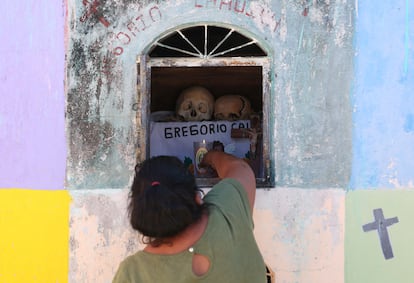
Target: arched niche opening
223, 60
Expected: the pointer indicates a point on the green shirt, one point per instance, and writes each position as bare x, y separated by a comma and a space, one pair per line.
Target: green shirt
228, 242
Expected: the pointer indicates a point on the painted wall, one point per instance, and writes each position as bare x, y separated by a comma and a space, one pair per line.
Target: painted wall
59, 213
32, 130
34, 207
383, 139
311, 127
382, 98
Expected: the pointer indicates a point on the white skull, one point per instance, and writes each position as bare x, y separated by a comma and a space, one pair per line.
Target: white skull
195, 104
232, 108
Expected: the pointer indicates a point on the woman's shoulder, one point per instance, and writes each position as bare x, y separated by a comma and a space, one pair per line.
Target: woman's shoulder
227, 188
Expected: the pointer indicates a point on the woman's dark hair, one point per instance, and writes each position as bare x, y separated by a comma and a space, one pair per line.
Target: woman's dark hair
162, 199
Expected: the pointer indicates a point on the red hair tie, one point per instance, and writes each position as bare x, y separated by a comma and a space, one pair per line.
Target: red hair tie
155, 183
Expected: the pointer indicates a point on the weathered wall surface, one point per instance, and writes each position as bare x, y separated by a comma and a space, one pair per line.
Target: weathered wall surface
301, 233
311, 123
99, 234
338, 66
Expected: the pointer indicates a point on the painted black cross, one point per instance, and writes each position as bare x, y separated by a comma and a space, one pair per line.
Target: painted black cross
380, 224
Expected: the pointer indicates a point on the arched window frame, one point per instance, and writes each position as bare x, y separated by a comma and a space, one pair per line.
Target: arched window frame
145, 63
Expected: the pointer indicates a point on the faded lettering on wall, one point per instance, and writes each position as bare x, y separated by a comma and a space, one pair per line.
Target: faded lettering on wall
117, 40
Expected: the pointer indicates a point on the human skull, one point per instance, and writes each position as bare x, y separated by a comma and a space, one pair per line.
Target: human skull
195, 104
232, 108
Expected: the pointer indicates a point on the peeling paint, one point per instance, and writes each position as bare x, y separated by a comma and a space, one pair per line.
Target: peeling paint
102, 88
99, 234
290, 221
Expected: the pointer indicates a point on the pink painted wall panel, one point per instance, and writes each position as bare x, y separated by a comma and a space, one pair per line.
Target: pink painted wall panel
32, 126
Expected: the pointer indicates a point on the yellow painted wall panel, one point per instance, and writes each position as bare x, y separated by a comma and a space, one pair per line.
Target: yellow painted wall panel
34, 236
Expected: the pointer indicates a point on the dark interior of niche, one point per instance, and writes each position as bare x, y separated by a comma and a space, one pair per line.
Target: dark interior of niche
168, 82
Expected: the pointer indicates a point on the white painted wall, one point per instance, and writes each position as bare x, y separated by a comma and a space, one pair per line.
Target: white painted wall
299, 231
